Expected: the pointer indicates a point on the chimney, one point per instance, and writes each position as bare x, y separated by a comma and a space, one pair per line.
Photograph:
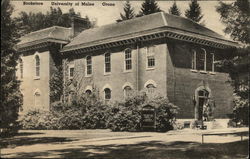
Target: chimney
78, 25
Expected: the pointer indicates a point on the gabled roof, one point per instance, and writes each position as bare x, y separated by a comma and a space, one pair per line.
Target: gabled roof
55, 34
158, 22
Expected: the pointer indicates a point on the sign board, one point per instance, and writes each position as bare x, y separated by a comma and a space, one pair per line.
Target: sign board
148, 118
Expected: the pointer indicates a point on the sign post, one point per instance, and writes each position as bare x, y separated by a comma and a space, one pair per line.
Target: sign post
148, 122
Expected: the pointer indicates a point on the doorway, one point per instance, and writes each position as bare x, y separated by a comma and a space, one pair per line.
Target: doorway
202, 99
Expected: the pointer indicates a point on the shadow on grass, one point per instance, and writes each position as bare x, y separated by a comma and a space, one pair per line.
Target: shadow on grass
25, 141
151, 150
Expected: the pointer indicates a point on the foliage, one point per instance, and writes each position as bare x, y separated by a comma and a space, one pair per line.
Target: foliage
174, 10
88, 112
194, 11
240, 111
236, 17
128, 12
56, 84
11, 97
28, 22
149, 7
126, 115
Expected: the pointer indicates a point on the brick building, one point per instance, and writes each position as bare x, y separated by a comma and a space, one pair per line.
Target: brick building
159, 53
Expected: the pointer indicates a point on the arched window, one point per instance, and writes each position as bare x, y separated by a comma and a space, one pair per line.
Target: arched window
88, 92
210, 62
107, 63
150, 88
37, 63
193, 59
201, 59
37, 99
107, 94
150, 56
128, 59
89, 65
127, 91
21, 68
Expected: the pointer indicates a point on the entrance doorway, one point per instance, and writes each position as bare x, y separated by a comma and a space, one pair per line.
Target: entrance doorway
202, 99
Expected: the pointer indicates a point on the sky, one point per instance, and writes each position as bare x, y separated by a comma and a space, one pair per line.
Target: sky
109, 14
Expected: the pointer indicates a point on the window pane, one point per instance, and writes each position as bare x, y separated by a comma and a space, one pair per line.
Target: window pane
128, 60
89, 65
210, 62
37, 65
107, 93
151, 61
200, 60
71, 72
107, 62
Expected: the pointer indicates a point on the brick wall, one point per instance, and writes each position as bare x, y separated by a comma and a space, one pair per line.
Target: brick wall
182, 83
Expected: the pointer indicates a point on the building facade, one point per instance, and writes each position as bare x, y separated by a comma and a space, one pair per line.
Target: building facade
170, 56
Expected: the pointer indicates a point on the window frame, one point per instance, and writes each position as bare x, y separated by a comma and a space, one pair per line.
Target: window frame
128, 59
125, 95
89, 66
105, 63
21, 68
105, 95
69, 71
148, 56
37, 62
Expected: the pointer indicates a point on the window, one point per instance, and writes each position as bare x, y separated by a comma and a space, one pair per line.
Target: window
150, 88
37, 99
127, 91
193, 59
107, 63
37, 63
88, 92
71, 72
150, 57
107, 94
210, 62
128, 59
21, 68
89, 65
201, 60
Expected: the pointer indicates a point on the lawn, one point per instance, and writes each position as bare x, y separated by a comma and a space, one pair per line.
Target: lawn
73, 144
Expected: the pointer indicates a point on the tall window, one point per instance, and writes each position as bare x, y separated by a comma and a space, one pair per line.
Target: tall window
150, 57
107, 63
150, 88
71, 72
128, 59
210, 62
127, 91
89, 65
107, 94
21, 68
193, 59
37, 62
201, 60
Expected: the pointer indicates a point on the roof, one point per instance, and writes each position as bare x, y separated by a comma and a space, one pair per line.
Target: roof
133, 27
53, 34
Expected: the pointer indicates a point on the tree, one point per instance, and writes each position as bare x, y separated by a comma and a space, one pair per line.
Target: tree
149, 7
28, 22
194, 11
236, 16
174, 10
128, 12
11, 97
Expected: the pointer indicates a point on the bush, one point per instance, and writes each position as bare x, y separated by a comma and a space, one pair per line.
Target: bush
240, 112
126, 115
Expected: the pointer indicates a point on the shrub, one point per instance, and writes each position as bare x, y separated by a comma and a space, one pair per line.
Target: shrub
126, 115
240, 112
